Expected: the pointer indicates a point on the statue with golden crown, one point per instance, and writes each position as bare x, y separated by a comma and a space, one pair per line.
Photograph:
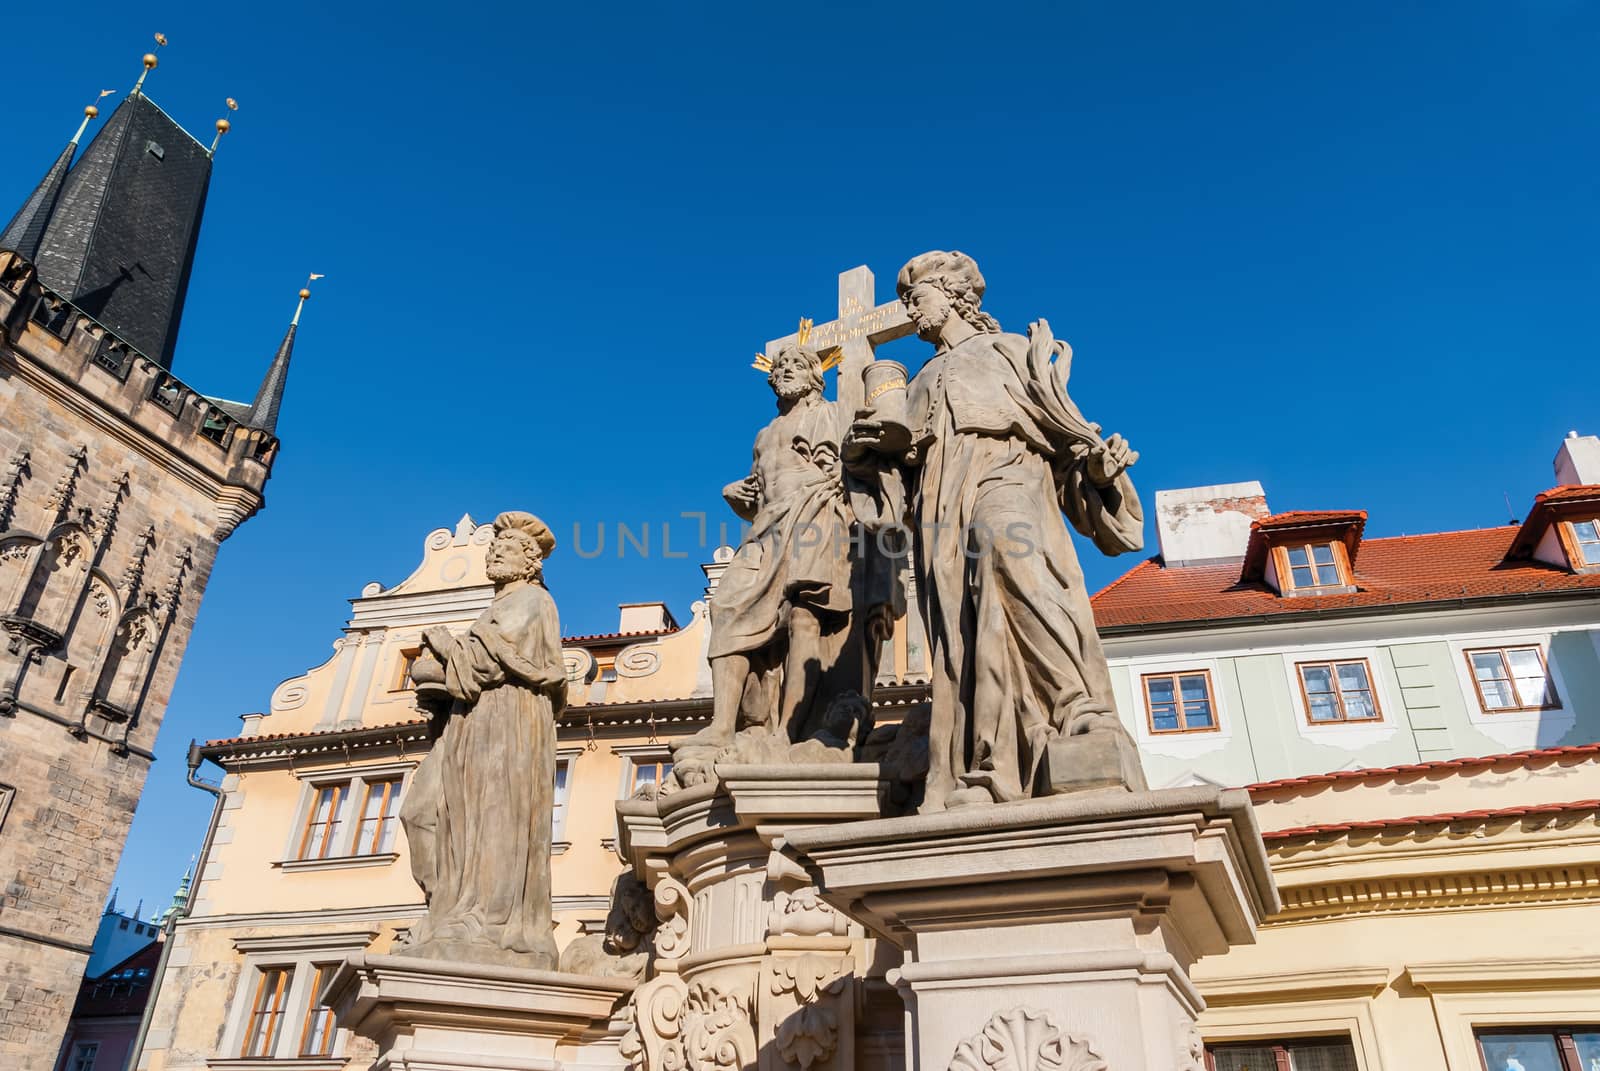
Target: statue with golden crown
802, 610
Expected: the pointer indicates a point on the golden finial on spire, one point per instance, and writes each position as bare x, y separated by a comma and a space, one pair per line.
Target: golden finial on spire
223, 126
150, 62
305, 295
89, 113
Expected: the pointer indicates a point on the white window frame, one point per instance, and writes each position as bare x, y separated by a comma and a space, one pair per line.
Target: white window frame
81, 1049
1515, 730
1182, 746
356, 777
302, 953
565, 757
634, 756
1345, 735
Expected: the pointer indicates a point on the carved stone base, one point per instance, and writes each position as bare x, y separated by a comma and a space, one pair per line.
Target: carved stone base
1093, 760
429, 1015
1054, 932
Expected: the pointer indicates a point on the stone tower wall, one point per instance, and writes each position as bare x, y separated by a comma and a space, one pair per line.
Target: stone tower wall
117, 484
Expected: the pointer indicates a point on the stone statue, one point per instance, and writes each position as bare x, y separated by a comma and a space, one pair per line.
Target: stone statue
800, 613
623, 951
478, 813
994, 452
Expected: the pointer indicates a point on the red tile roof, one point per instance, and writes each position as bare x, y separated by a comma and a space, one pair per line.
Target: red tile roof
1302, 518
1393, 571
1525, 811
312, 734
1379, 773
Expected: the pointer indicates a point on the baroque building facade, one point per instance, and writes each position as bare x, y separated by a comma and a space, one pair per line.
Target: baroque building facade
118, 484
1433, 851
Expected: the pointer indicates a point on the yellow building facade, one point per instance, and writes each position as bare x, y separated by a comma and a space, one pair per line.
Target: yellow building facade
1437, 917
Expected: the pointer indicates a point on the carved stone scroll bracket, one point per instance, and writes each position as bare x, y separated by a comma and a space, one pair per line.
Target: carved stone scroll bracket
807, 1013
798, 910
672, 900
655, 1013
1024, 1039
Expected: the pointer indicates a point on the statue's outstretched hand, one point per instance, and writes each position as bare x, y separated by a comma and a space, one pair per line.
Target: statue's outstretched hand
1110, 460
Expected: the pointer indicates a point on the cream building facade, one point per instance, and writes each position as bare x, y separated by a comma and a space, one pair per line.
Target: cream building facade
1437, 914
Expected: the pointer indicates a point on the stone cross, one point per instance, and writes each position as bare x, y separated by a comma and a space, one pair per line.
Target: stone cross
862, 326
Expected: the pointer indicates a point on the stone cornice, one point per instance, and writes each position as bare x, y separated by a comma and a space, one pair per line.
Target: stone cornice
1544, 973
1438, 892
1325, 983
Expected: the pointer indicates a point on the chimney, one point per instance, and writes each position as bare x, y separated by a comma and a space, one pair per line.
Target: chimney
715, 568
1578, 460
1207, 525
645, 617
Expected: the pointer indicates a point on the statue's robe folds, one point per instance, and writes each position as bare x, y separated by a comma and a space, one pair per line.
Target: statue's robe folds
801, 550
478, 814
1001, 452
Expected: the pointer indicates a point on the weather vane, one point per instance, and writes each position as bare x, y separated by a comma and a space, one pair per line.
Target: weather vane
305, 295
223, 126
150, 62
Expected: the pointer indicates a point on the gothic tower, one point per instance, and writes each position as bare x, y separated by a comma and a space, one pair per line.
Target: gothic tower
118, 482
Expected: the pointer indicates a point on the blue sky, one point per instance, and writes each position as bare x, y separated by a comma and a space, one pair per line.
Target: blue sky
1348, 251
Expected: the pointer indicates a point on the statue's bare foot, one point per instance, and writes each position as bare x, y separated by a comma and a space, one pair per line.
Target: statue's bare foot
711, 736
967, 797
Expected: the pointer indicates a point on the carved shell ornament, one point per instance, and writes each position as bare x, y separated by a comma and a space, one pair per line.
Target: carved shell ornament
1024, 1039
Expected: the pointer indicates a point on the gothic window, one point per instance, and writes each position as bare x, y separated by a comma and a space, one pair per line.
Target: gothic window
1292, 1054
1338, 691
7, 794
1512, 679
1536, 1049
1180, 702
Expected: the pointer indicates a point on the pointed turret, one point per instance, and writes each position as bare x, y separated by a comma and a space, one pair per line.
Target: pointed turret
269, 399
120, 241
22, 234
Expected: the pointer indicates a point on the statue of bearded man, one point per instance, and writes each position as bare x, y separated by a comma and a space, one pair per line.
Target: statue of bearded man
995, 453
799, 615
478, 814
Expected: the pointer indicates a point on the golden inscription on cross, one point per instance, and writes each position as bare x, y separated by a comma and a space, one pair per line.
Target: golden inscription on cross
862, 326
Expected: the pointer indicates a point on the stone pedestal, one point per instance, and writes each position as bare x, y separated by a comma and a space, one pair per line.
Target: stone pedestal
429, 1015
754, 971
1053, 932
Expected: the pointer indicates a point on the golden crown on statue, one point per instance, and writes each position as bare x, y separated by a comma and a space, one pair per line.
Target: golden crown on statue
831, 359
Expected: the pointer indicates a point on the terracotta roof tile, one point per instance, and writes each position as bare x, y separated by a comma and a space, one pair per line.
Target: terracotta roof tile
268, 738
1525, 811
1393, 571
1378, 773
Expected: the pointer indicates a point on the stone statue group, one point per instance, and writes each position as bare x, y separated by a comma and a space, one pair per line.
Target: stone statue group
969, 472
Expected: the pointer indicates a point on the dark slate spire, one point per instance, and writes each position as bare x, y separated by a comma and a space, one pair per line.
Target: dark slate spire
269, 399
121, 241
22, 234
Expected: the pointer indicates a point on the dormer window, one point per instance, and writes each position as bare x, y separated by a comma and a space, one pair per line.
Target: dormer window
1586, 542
1314, 565
1305, 552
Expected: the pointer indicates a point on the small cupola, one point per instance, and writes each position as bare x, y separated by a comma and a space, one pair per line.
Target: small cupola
1305, 552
